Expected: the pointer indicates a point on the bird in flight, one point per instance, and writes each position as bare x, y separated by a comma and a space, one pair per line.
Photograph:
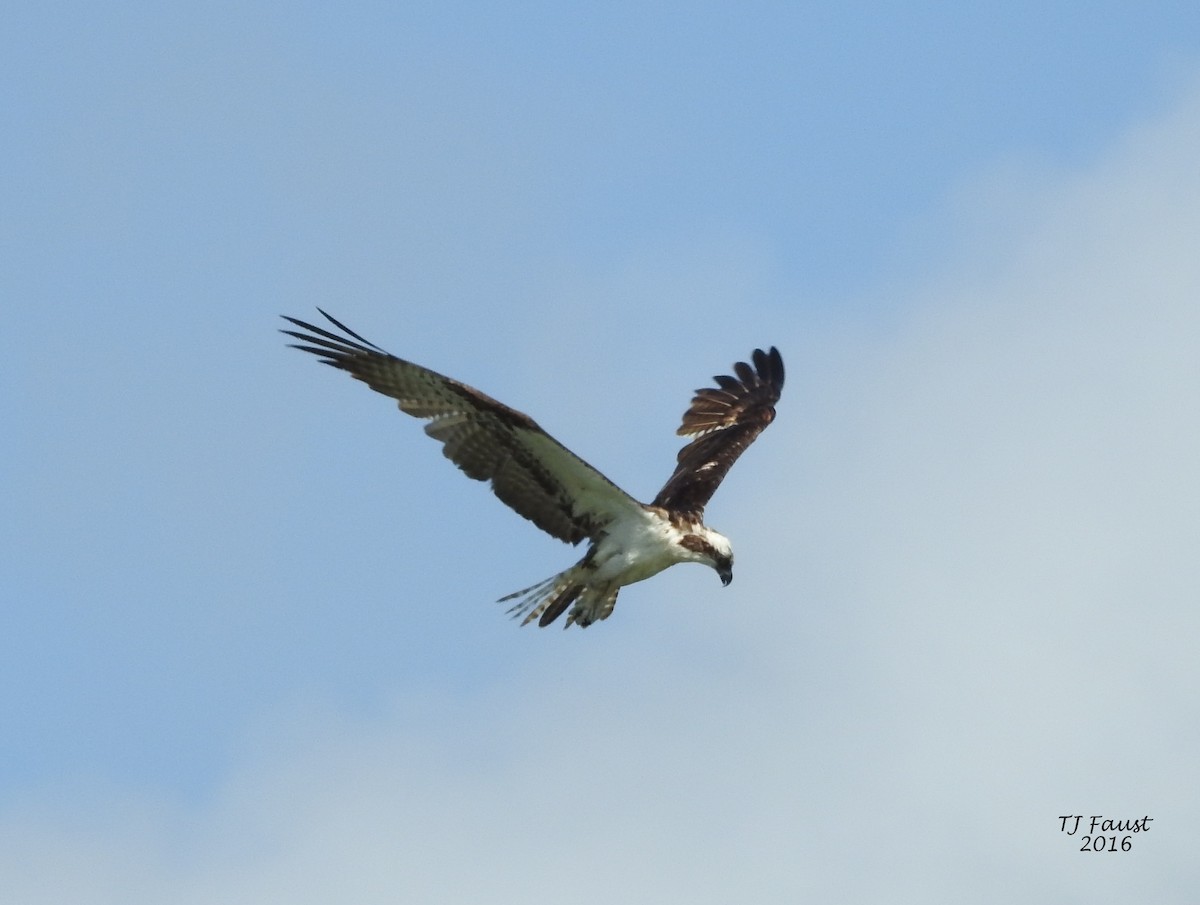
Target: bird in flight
543, 481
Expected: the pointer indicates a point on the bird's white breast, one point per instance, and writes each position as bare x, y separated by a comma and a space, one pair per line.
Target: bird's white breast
637, 548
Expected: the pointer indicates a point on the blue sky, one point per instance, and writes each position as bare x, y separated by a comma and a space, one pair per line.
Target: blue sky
248, 649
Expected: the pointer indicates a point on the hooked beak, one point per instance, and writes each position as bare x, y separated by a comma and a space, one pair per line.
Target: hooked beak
726, 575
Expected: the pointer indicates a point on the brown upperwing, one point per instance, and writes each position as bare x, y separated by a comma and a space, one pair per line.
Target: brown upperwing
725, 420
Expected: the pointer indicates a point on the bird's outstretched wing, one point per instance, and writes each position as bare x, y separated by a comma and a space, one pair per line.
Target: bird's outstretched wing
724, 420
528, 469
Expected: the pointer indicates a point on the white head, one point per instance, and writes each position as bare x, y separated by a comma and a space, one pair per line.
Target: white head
711, 548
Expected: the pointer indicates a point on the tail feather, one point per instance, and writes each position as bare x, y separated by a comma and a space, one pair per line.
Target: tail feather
535, 600
547, 600
555, 607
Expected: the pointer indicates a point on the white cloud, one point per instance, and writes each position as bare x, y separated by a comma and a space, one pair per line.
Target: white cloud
973, 610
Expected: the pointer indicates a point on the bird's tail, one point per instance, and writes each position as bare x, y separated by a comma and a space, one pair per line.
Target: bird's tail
546, 600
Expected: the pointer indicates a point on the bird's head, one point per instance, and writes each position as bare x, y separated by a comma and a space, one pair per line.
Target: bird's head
711, 548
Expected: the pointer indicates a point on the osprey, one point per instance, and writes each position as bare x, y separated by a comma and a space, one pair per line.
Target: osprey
548, 484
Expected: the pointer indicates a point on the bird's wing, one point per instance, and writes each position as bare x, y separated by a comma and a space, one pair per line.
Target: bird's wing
724, 421
529, 470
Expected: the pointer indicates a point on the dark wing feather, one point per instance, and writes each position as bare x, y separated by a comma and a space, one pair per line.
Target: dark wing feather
529, 470
724, 420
